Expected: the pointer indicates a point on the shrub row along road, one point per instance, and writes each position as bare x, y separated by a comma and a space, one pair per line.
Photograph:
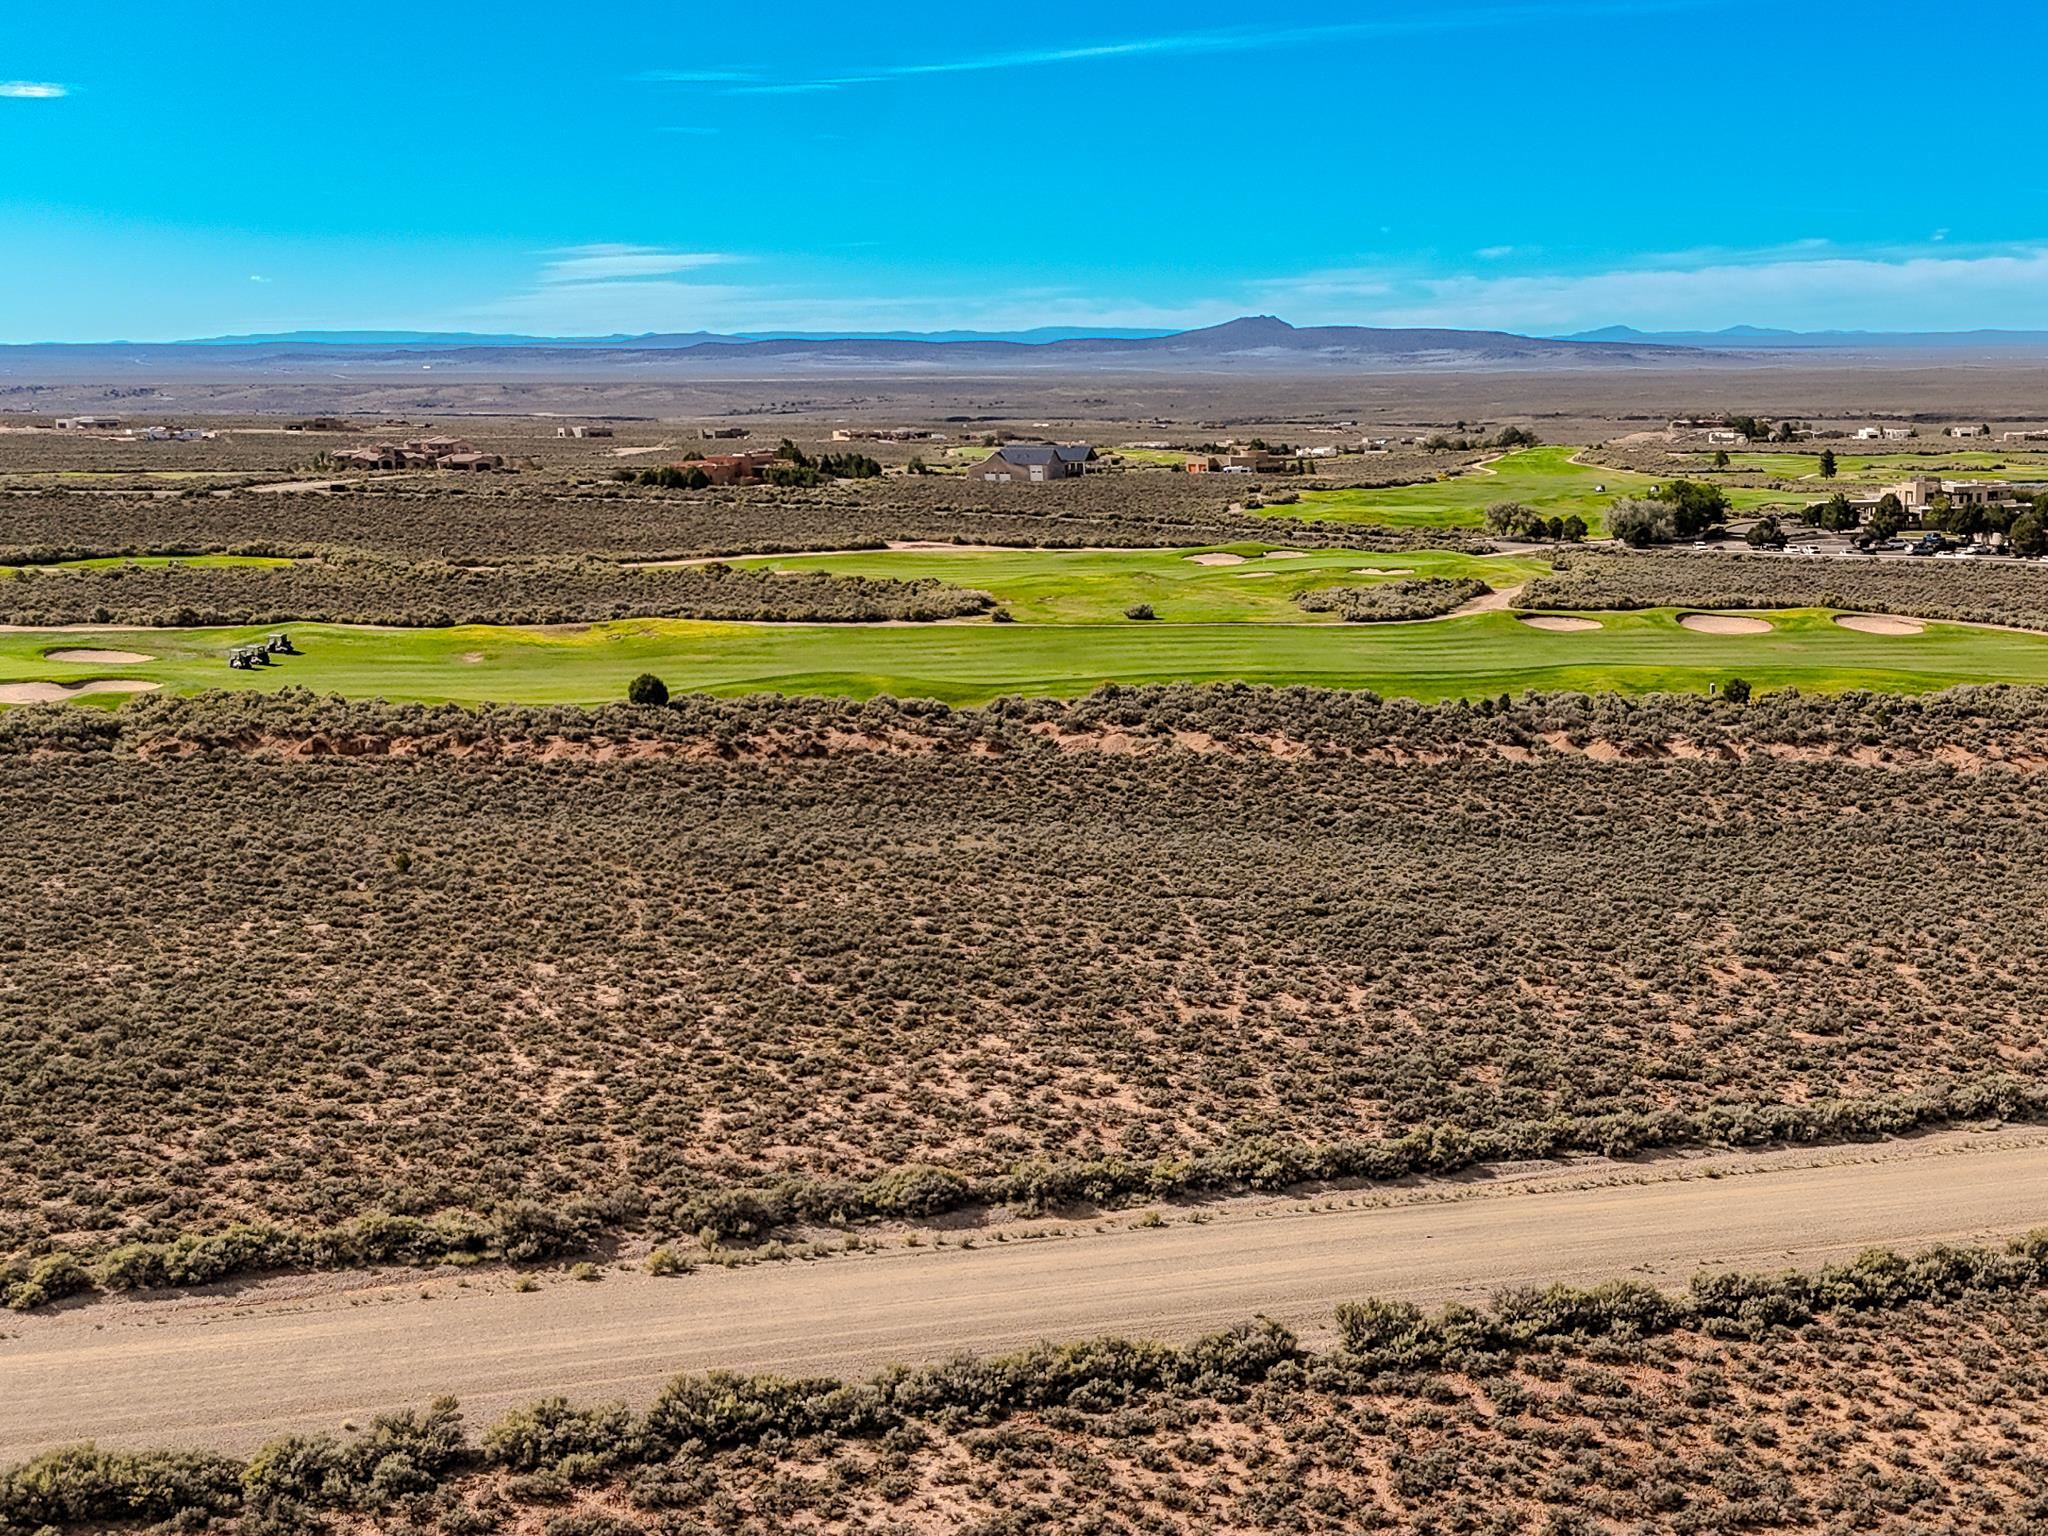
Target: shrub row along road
230, 1371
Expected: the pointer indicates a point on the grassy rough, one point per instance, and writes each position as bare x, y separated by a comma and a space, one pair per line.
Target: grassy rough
1977, 592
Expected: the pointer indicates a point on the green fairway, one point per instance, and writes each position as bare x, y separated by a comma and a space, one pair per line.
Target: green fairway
1173, 458
1974, 464
973, 662
1040, 586
1544, 478
107, 562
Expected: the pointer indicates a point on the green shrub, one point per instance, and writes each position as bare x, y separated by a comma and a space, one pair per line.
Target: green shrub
916, 1190
548, 1432
40, 1281
84, 1486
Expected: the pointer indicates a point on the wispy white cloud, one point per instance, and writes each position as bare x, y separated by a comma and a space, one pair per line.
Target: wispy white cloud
33, 90
1801, 285
1804, 287
612, 263
1224, 40
257, 277
696, 76
634, 305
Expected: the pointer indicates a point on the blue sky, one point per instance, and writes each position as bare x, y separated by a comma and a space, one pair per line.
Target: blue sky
515, 166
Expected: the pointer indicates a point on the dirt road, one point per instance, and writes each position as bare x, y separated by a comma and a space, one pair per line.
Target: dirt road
313, 1353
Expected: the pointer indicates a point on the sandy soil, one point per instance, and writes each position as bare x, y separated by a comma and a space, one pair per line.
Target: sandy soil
108, 658
1880, 624
1557, 622
1723, 624
232, 1369
1216, 557
1498, 601
57, 693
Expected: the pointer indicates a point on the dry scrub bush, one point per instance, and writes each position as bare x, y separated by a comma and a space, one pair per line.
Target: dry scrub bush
1896, 1394
359, 590
493, 524
1428, 597
729, 990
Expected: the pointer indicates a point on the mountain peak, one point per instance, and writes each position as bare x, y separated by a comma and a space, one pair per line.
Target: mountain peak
1248, 328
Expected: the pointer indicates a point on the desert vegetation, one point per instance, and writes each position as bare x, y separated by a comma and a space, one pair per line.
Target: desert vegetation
490, 525
301, 982
1427, 597
1892, 1393
1982, 592
367, 590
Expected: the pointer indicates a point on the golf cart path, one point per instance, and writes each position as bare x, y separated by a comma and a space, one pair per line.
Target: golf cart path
314, 1353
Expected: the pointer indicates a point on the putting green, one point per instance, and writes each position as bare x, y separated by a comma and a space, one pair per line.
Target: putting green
971, 663
1544, 478
1226, 583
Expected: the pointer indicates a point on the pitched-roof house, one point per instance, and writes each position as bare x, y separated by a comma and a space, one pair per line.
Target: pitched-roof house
1032, 462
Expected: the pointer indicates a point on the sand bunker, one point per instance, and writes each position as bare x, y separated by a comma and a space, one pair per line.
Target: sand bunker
57, 693
1558, 623
1722, 624
1286, 554
1218, 557
1879, 624
100, 658
1256, 575
1382, 570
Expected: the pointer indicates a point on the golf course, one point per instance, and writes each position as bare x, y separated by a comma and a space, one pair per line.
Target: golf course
968, 663
1549, 478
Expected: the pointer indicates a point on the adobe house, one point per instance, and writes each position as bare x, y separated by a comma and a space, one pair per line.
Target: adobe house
730, 468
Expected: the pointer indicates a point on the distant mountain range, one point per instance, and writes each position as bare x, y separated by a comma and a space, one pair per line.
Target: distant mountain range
1252, 343
647, 340
1752, 338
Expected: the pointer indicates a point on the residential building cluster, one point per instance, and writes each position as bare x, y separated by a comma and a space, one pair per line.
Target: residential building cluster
421, 453
885, 435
